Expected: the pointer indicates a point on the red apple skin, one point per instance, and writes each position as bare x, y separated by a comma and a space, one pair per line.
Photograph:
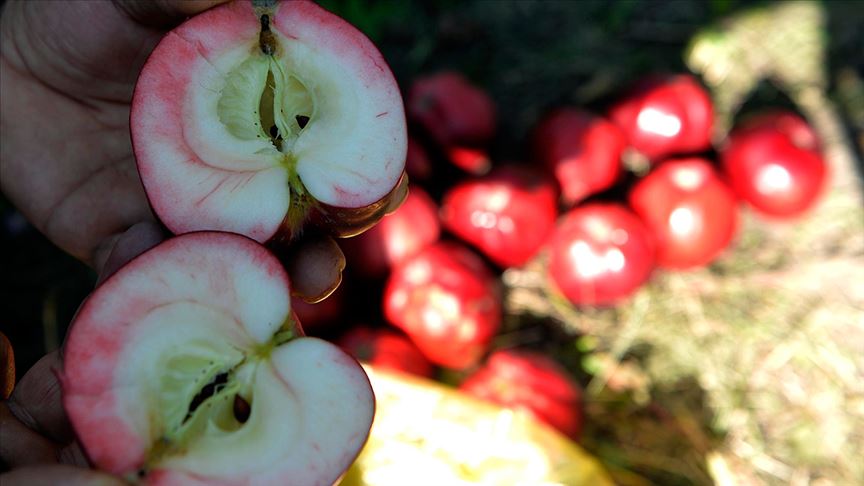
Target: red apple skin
451, 109
532, 382
396, 237
600, 254
668, 115
690, 210
582, 150
774, 163
446, 300
507, 215
386, 349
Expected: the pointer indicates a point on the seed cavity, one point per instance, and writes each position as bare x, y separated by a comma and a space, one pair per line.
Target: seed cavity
210, 389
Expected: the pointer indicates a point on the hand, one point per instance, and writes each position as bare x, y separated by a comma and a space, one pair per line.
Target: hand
35, 437
69, 70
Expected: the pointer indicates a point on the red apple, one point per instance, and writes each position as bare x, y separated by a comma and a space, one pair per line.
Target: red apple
668, 115
774, 162
582, 150
507, 215
600, 254
692, 213
398, 236
385, 349
530, 381
447, 301
185, 367
451, 109
257, 120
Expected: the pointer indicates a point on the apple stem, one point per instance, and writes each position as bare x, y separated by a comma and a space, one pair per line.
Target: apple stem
266, 39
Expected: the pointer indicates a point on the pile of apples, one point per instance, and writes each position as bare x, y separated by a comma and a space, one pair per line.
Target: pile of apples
255, 125
438, 258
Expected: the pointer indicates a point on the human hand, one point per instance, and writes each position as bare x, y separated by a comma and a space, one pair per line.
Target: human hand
69, 70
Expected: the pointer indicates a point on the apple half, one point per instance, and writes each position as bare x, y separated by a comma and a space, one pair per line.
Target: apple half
187, 367
258, 120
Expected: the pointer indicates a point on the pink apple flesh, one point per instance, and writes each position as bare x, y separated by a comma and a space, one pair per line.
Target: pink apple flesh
161, 354
248, 120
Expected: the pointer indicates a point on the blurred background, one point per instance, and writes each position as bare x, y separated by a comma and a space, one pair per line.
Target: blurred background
748, 371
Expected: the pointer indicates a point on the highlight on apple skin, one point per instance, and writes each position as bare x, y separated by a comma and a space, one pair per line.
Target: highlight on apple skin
186, 367
259, 121
666, 115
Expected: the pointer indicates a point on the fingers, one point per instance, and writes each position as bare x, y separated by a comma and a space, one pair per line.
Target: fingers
57, 474
21, 445
37, 400
118, 249
163, 14
315, 266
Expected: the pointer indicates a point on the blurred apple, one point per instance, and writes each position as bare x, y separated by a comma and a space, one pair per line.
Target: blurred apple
582, 150
600, 254
774, 162
666, 115
398, 236
448, 303
692, 213
385, 349
507, 215
530, 381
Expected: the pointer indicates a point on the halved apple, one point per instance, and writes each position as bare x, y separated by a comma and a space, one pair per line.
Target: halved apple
186, 367
257, 120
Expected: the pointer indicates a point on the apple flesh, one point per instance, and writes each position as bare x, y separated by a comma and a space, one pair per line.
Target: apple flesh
446, 300
507, 214
530, 381
185, 367
259, 120
582, 150
690, 210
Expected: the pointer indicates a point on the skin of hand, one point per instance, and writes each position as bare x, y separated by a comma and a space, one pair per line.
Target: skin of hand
66, 162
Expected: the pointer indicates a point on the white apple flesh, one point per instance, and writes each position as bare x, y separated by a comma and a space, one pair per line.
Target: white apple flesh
186, 367
257, 121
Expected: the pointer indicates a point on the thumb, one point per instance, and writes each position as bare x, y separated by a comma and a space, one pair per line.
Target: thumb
118, 249
43, 475
163, 14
